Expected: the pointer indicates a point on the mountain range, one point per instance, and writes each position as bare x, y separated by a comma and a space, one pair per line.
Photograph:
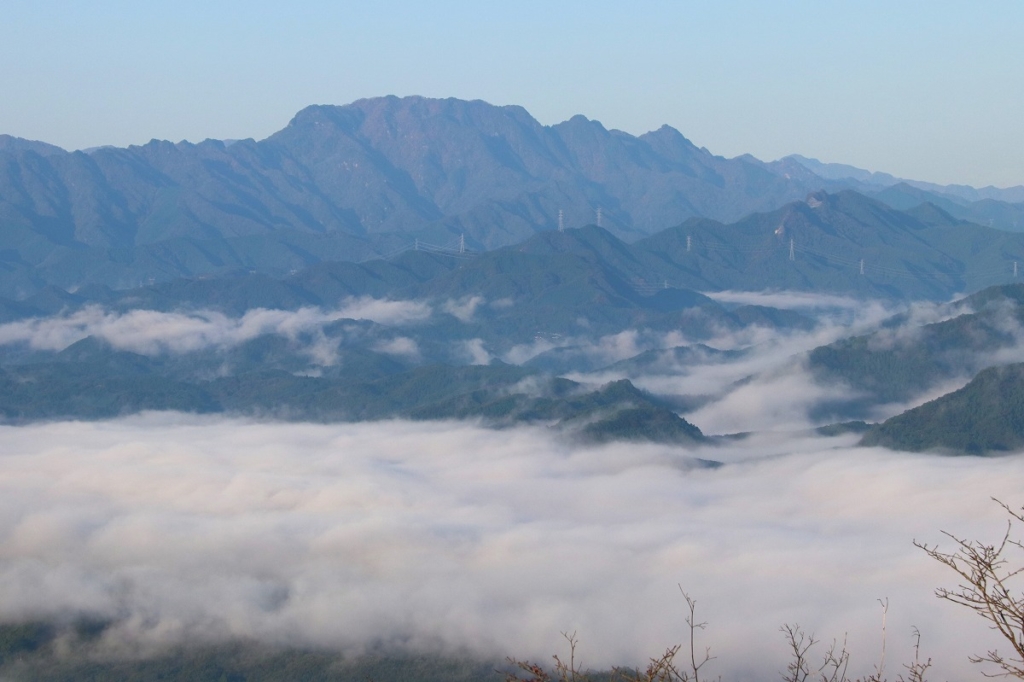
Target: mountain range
842, 243
503, 337
960, 193
474, 225
371, 178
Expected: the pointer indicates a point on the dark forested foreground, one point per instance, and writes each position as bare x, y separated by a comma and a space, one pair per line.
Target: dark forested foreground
39, 652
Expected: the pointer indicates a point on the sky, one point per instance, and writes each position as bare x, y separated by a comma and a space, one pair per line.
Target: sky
924, 90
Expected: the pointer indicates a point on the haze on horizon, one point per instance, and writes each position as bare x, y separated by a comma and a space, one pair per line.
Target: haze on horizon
928, 91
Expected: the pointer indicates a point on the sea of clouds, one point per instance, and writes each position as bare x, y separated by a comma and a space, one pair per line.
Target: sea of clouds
451, 537
447, 536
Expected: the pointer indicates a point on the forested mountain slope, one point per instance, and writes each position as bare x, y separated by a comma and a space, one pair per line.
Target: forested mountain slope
347, 182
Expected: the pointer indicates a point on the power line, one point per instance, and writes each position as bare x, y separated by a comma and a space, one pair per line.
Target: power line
455, 249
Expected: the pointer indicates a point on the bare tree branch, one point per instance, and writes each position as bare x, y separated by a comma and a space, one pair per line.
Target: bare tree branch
987, 587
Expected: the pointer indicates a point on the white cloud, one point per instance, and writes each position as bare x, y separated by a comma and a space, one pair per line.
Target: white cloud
522, 352
444, 535
778, 400
447, 535
475, 352
768, 385
463, 309
322, 349
401, 346
151, 332
384, 311
786, 299
602, 350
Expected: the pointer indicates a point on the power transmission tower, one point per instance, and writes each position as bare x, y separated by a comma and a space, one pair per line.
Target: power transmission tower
561, 221
462, 243
688, 244
792, 256
862, 266
599, 216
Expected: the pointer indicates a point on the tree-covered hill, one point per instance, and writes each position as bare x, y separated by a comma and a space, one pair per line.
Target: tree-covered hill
839, 243
91, 380
985, 416
903, 359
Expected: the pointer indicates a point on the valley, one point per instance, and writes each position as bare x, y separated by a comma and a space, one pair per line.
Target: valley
413, 385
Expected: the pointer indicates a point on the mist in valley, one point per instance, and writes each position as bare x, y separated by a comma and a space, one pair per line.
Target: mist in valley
450, 537
457, 537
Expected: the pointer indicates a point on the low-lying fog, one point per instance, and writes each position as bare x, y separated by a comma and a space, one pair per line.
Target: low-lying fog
454, 537
450, 536
761, 382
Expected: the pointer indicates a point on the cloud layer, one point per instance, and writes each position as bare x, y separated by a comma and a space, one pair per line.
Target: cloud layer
786, 299
151, 332
448, 536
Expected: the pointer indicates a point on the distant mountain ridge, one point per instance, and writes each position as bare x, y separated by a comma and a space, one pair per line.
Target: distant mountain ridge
17, 144
349, 182
366, 179
843, 243
842, 171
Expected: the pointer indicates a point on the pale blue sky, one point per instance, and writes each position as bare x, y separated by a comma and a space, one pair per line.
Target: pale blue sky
928, 90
